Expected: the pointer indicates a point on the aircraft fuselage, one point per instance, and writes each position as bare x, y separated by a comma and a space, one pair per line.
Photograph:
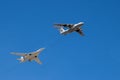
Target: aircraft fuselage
28, 57
73, 28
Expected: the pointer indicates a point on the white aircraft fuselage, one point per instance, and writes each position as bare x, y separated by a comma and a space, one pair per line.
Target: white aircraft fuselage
73, 28
28, 57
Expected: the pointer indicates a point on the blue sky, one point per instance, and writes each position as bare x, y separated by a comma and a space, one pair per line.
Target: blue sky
27, 25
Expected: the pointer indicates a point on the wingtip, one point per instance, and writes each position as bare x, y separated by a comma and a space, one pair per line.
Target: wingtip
42, 48
56, 26
12, 52
40, 63
82, 35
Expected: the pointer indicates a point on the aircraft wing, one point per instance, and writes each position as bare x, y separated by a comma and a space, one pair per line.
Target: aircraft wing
18, 54
80, 32
38, 61
65, 25
37, 52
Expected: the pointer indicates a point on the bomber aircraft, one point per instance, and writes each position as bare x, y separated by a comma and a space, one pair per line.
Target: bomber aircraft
71, 28
29, 56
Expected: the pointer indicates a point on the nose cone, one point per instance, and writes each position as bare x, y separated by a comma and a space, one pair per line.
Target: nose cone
41, 49
81, 23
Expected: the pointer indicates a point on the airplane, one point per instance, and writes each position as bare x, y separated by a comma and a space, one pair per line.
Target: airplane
29, 56
71, 28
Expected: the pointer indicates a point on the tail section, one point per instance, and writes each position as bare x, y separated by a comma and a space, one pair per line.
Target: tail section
21, 59
61, 29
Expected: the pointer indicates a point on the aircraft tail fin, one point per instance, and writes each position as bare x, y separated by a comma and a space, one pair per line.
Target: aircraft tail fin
62, 30
21, 59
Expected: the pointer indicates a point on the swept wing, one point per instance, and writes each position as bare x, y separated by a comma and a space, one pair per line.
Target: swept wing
19, 54
37, 60
65, 25
80, 32
37, 52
